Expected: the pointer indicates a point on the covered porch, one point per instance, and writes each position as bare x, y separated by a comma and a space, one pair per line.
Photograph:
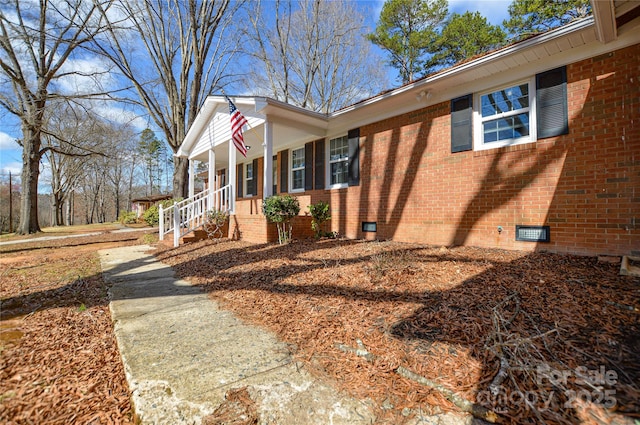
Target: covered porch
236, 184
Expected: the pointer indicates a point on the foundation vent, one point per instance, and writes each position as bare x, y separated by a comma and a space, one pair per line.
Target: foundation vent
532, 233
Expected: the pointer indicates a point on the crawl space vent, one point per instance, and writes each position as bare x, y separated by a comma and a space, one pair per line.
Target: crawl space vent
532, 233
369, 226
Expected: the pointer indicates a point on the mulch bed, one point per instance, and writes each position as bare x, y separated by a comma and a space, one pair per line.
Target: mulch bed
59, 358
534, 337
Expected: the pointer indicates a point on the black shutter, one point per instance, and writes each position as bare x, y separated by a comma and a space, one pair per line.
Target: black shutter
461, 124
319, 164
354, 157
239, 179
551, 103
274, 164
284, 171
254, 186
308, 166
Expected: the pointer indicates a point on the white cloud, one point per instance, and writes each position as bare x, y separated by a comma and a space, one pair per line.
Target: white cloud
7, 142
14, 167
123, 116
87, 75
494, 10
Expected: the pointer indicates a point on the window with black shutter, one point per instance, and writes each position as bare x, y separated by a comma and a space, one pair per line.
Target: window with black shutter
461, 124
284, 171
319, 165
551, 103
353, 137
239, 179
308, 166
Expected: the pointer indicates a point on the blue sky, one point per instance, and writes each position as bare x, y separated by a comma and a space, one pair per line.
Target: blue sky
11, 155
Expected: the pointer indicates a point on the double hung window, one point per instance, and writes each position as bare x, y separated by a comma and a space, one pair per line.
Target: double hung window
297, 169
505, 116
338, 160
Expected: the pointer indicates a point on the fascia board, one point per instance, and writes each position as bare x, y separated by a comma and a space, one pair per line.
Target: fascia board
378, 107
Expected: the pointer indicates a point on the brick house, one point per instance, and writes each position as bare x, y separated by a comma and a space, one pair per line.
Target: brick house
533, 146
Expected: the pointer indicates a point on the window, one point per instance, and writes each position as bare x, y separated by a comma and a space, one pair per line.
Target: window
338, 160
504, 116
274, 176
297, 169
518, 113
249, 180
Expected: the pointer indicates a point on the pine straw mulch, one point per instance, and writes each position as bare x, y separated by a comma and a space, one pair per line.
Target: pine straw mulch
534, 326
59, 358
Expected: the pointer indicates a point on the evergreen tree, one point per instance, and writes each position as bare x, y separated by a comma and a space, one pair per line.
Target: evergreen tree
150, 151
528, 17
406, 30
463, 37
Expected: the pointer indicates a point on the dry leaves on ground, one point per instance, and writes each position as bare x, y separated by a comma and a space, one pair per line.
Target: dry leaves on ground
459, 316
60, 361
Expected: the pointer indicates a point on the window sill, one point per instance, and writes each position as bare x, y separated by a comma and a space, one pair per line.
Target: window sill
338, 186
504, 144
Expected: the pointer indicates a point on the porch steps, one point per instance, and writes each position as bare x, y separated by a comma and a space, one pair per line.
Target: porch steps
194, 236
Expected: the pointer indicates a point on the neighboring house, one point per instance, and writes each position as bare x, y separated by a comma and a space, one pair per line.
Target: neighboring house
140, 205
539, 140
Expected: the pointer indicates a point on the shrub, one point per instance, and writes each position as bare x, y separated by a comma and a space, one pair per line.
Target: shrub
152, 215
127, 217
214, 221
281, 210
320, 213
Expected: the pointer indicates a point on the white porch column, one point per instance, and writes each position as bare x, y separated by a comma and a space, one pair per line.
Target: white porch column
213, 202
192, 179
267, 181
232, 176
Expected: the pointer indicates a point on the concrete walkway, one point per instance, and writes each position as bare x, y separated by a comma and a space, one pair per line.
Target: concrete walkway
182, 353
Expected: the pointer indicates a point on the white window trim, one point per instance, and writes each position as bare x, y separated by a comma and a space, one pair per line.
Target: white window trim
245, 193
478, 142
291, 170
327, 156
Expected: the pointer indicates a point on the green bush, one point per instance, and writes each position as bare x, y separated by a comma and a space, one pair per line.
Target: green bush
281, 210
320, 213
127, 217
168, 202
152, 215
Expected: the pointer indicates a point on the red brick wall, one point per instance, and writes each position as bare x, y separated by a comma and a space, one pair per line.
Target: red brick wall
585, 185
249, 224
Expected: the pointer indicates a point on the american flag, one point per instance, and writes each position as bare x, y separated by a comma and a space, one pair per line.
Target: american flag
237, 122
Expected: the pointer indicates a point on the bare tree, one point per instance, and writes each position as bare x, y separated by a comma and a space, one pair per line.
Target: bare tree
121, 167
37, 40
315, 55
74, 135
185, 48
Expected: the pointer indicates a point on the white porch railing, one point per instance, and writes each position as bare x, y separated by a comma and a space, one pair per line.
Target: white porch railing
190, 214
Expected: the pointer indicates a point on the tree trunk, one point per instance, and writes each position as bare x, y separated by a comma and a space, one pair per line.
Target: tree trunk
69, 219
30, 174
180, 177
